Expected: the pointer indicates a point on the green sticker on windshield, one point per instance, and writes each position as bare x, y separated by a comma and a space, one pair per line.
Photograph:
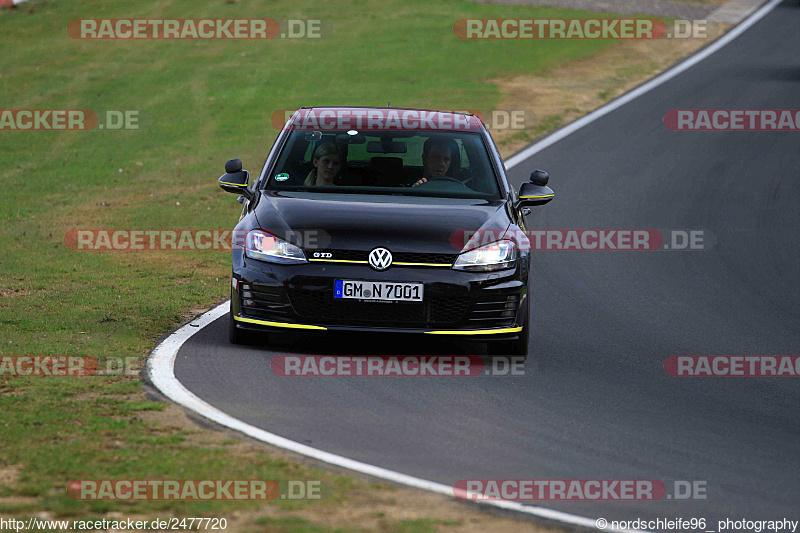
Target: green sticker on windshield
281, 177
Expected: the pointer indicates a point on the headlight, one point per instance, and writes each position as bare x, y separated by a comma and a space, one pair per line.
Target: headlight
267, 247
494, 256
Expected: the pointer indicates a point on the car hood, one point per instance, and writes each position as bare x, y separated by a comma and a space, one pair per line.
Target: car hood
362, 222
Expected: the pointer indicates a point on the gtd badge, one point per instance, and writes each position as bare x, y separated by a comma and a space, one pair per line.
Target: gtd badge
380, 259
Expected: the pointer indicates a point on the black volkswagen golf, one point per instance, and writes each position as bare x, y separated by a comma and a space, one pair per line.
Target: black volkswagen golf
383, 220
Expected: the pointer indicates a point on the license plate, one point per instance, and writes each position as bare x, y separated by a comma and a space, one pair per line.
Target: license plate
377, 291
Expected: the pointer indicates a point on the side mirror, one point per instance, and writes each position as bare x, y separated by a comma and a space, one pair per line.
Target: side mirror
536, 192
235, 179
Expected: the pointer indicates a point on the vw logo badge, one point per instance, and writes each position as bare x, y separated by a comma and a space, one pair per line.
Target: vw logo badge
380, 259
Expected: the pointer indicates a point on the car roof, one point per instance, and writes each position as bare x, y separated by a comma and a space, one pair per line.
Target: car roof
385, 118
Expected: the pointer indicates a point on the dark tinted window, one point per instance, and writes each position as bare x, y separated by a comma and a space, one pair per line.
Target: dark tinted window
386, 163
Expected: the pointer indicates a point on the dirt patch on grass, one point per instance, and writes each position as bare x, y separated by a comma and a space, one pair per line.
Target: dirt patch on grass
379, 510
9, 474
94, 212
195, 311
171, 417
13, 293
88, 396
567, 93
18, 501
9, 477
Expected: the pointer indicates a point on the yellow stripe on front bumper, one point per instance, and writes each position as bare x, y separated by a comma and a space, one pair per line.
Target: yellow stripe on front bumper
277, 324
423, 264
439, 332
475, 331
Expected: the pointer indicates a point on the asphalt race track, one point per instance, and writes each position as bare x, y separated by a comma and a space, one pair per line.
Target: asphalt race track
596, 402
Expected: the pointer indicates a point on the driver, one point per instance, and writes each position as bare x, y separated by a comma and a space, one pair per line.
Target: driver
328, 164
437, 153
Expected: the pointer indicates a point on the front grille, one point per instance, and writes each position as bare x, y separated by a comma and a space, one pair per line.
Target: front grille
494, 311
320, 306
264, 301
397, 257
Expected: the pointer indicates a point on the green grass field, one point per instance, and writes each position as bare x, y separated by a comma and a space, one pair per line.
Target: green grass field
203, 102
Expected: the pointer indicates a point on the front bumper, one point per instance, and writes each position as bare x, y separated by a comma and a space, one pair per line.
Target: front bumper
478, 306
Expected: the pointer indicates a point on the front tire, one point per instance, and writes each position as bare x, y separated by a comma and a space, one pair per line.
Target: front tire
236, 335
515, 348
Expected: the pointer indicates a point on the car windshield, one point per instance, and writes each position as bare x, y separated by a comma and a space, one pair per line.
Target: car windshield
413, 163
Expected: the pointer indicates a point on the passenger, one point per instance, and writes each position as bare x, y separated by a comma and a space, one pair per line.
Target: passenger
328, 164
437, 153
